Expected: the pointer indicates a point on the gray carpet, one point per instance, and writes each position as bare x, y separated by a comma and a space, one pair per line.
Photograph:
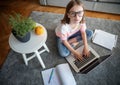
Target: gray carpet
15, 72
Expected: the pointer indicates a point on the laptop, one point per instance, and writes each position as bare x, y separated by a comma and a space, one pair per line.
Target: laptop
87, 63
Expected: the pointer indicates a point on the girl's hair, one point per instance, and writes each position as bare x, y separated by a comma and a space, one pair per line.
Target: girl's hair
69, 6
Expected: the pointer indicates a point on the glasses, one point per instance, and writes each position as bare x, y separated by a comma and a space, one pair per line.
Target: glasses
79, 13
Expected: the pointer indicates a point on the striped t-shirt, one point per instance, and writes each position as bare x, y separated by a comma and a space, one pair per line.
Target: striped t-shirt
64, 31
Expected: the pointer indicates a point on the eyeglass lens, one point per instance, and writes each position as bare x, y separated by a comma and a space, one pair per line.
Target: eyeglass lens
73, 14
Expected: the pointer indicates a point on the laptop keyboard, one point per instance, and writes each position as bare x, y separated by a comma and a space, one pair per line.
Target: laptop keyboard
84, 61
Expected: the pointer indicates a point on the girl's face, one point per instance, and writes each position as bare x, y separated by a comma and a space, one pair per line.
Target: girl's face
75, 14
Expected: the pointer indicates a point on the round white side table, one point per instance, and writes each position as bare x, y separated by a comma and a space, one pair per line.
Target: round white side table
33, 45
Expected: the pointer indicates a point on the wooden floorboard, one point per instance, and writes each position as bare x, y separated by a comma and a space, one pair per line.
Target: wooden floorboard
25, 7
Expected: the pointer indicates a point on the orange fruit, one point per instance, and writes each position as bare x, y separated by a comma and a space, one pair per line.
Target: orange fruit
39, 30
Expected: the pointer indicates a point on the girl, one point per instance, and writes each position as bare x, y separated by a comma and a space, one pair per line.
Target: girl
73, 29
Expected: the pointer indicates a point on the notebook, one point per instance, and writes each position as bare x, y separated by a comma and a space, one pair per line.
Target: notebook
59, 75
88, 63
105, 39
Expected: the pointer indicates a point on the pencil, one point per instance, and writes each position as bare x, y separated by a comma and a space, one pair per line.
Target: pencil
51, 74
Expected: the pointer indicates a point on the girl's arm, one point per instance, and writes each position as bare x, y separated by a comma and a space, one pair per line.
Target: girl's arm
85, 50
84, 38
77, 55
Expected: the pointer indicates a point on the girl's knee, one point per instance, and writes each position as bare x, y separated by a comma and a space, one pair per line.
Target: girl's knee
64, 54
89, 34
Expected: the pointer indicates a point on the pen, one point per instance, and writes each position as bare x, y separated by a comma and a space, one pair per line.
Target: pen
51, 74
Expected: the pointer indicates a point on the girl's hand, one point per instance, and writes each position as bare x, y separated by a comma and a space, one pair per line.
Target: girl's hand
78, 56
86, 52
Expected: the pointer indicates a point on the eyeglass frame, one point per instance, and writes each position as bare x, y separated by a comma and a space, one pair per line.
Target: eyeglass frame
76, 13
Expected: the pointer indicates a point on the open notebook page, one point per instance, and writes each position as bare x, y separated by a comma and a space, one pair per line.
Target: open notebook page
65, 75
62, 75
46, 76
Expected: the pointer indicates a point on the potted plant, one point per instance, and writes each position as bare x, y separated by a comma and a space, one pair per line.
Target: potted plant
21, 26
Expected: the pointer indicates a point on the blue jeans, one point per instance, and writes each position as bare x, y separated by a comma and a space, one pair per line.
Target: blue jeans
63, 50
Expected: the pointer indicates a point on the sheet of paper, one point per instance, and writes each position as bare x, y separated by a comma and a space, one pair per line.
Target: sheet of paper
104, 39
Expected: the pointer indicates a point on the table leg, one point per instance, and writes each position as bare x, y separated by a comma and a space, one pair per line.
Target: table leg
25, 59
40, 59
46, 47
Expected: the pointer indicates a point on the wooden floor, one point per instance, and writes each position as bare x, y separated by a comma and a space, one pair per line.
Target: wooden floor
25, 7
